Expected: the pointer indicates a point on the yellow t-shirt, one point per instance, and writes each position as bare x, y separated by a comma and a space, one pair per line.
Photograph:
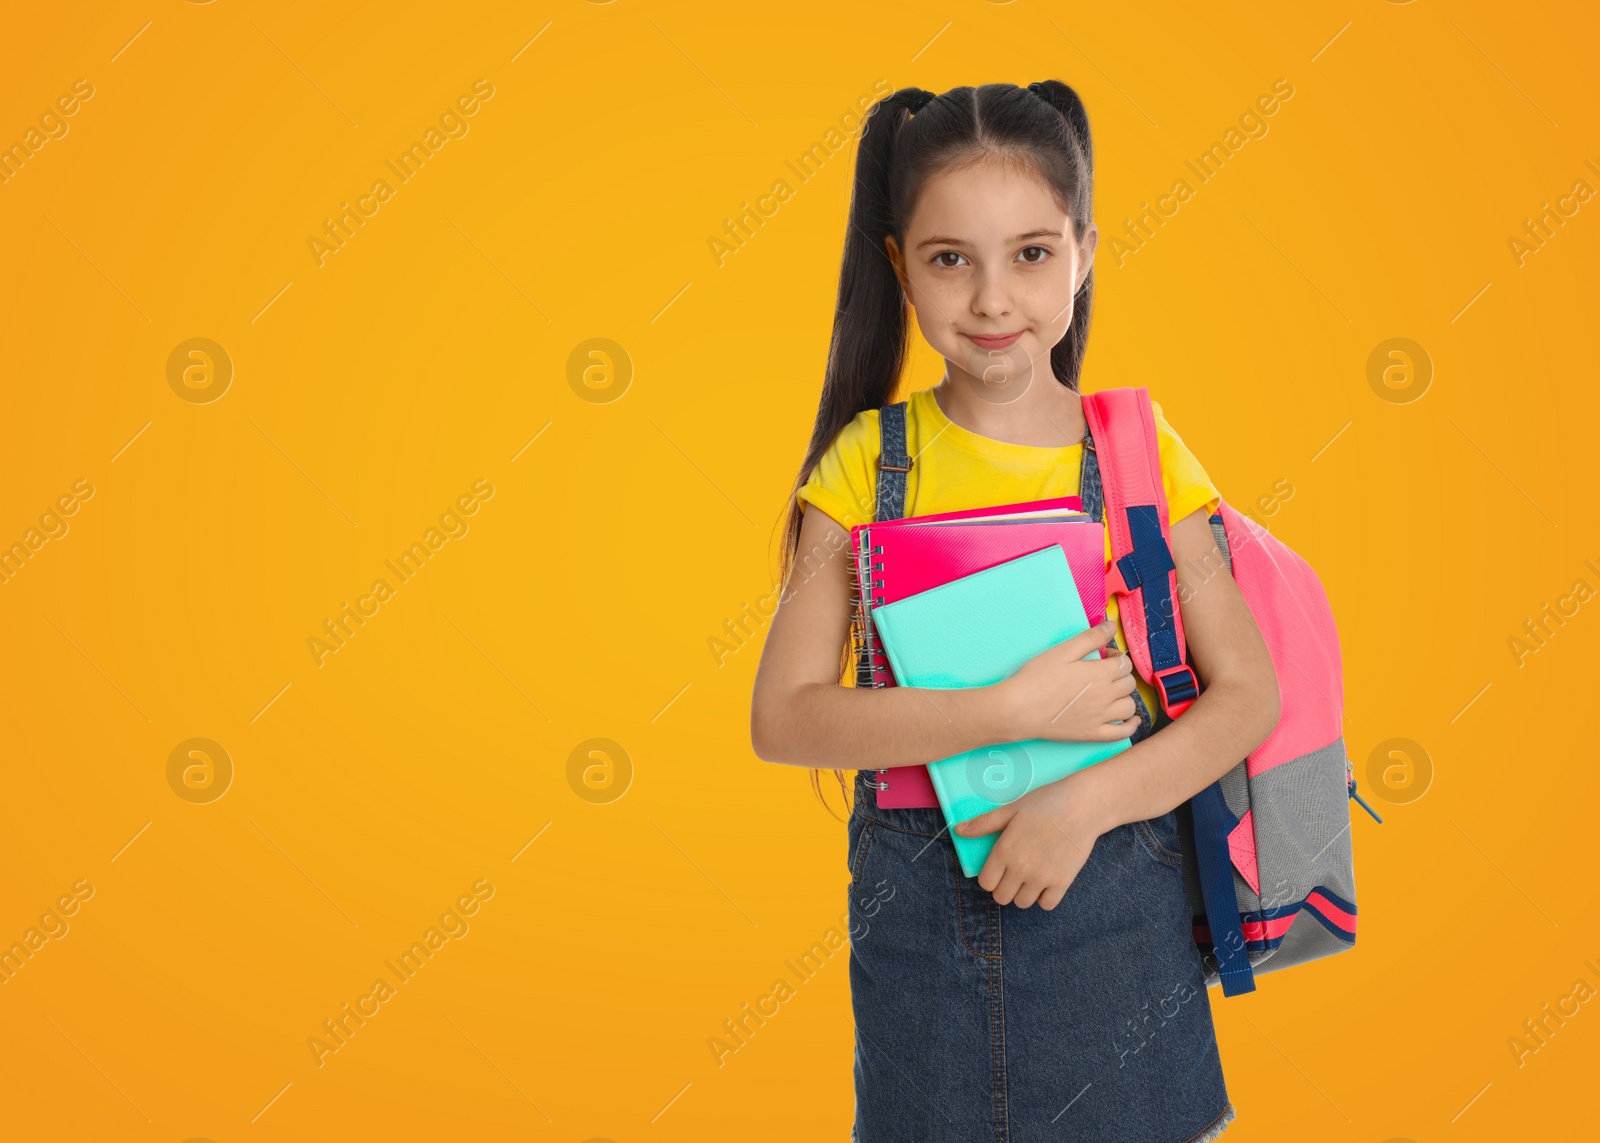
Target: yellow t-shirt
956, 469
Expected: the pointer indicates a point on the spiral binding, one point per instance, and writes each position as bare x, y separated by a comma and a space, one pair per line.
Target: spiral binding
863, 567
864, 638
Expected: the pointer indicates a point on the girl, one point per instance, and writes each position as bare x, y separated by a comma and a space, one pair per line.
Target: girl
979, 1016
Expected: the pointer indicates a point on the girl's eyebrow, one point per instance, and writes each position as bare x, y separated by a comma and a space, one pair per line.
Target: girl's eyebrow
941, 241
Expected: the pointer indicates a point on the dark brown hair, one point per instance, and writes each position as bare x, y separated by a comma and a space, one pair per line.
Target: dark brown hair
1043, 126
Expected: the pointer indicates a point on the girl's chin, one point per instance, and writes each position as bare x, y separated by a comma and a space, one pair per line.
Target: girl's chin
1012, 361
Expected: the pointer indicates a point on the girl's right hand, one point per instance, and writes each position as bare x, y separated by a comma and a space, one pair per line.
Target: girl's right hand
1062, 696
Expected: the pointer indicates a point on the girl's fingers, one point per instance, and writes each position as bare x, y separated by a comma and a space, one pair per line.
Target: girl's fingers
1007, 889
1118, 674
1051, 897
1085, 642
1027, 895
985, 823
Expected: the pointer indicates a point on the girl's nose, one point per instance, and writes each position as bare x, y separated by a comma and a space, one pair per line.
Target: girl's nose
993, 296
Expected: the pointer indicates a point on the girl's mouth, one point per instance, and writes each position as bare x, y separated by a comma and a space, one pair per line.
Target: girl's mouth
1000, 341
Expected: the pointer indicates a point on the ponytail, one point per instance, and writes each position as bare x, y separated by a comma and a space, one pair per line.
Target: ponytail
871, 330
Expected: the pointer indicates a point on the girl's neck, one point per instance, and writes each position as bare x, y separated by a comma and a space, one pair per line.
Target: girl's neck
1046, 415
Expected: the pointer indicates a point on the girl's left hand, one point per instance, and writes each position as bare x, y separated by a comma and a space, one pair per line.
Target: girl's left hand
1048, 833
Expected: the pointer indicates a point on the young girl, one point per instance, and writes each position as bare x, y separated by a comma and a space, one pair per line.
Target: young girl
979, 1016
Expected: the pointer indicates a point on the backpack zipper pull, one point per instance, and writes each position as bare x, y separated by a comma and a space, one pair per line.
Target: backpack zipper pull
1363, 805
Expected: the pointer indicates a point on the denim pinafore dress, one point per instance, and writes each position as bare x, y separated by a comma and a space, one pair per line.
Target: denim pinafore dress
976, 1021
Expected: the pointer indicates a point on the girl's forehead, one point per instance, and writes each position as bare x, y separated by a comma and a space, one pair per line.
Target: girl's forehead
986, 200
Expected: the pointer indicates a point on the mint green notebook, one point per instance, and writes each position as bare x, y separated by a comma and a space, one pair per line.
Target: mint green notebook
979, 630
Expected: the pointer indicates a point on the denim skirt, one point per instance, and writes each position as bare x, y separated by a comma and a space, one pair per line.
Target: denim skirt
977, 1021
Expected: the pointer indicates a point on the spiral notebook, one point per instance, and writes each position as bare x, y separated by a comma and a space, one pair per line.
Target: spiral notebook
898, 558
976, 631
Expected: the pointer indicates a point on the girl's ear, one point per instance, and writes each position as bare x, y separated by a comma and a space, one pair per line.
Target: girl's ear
898, 260
1086, 249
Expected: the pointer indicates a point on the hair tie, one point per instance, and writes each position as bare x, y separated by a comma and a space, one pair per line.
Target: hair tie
920, 100
1040, 90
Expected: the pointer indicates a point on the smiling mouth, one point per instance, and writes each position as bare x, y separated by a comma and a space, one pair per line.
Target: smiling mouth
996, 341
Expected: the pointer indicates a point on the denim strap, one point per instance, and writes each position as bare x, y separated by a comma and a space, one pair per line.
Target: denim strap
893, 463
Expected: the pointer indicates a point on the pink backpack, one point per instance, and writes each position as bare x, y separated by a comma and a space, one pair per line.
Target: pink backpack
1267, 854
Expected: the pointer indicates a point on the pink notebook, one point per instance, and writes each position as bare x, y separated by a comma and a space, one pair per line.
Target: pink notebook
899, 558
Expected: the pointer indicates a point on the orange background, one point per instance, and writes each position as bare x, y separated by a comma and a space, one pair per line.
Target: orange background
370, 791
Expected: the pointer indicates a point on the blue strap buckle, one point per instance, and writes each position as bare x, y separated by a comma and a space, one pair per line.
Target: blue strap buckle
1177, 688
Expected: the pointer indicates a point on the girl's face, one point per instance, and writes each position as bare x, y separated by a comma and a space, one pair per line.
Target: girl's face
991, 267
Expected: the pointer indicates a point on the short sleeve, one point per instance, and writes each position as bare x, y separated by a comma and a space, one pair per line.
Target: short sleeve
843, 484
1188, 487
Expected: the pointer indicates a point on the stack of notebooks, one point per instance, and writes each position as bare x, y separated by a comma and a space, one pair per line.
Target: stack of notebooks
964, 599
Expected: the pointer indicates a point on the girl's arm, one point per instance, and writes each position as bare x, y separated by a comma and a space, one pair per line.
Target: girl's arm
1049, 831
801, 715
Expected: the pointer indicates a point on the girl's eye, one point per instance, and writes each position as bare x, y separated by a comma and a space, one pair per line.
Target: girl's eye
1039, 254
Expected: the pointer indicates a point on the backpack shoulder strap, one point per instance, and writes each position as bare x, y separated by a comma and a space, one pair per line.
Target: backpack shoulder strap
1145, 579
893, 463
1143, 575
